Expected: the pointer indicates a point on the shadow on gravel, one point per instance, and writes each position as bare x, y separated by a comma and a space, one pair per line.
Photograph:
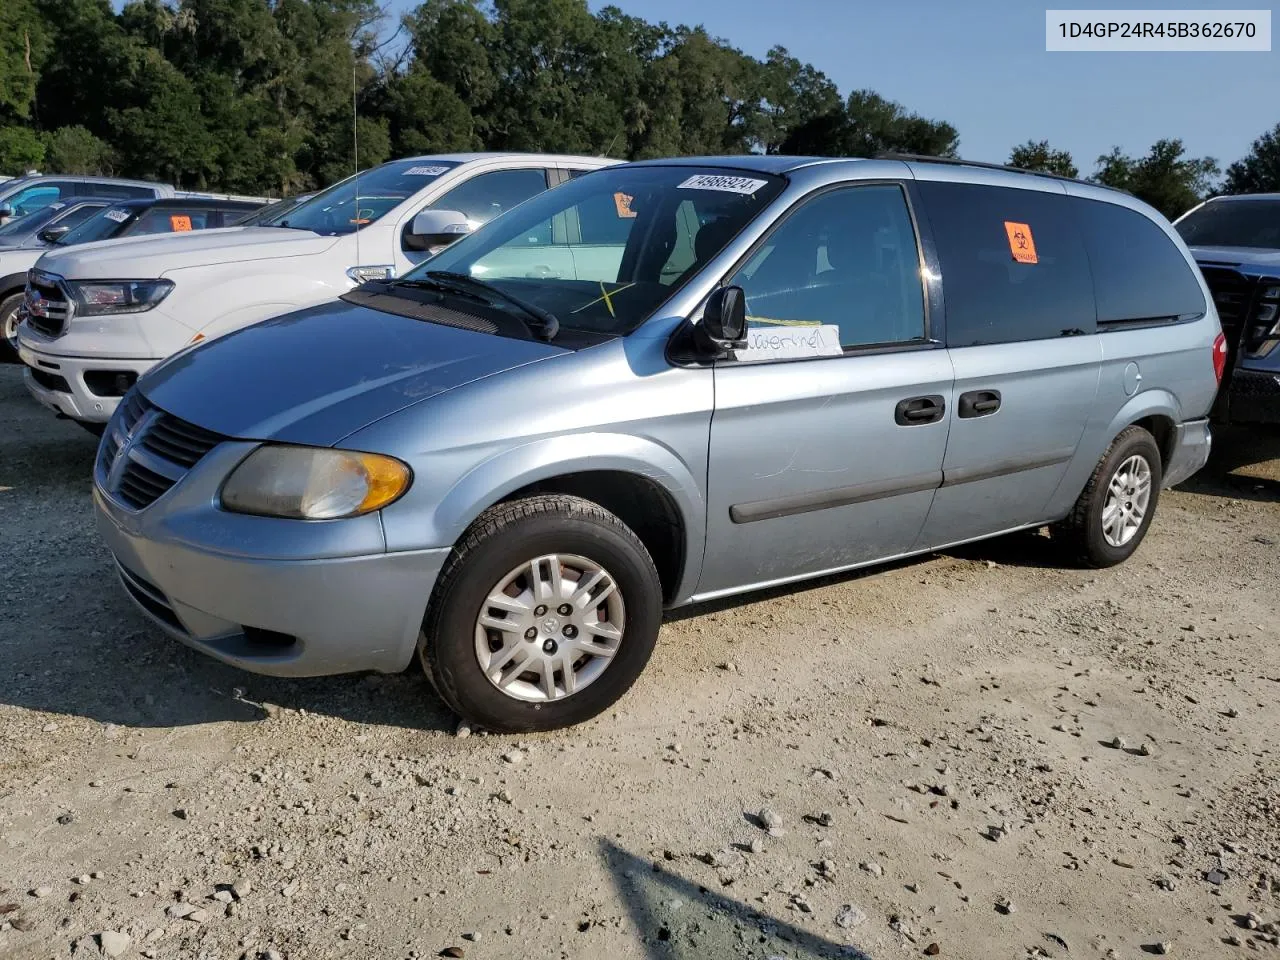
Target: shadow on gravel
1241, 465
61, 461
681, 920
141, 678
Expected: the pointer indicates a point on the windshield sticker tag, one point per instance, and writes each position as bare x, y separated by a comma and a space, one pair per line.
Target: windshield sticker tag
706, 181
425, 171
179, 223
623, 204
792, 343
1021, 244
56, 206
119, 216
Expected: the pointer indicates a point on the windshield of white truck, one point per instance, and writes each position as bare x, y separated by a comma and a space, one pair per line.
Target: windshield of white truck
361, 200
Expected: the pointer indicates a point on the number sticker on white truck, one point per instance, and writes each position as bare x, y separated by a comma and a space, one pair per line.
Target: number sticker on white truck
425, 171
119, 216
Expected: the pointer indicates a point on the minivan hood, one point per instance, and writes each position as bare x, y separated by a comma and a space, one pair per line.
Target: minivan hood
1264, 259
317, 375
150, 257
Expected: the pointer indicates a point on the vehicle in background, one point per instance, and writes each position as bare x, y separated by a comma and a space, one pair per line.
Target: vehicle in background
23, 195
734, 373
102, 315
97, 219
1236, 242
273, 211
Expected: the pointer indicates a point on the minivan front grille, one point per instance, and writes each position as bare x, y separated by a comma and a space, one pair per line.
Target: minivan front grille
145, 451
47, 304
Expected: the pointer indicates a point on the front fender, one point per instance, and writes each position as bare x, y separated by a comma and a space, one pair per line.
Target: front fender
503, 474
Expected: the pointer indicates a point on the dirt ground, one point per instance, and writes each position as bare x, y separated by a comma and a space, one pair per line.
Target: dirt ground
933, 743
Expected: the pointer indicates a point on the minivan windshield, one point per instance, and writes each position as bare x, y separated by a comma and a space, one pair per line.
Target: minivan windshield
1233, 223
336, 211
603, 251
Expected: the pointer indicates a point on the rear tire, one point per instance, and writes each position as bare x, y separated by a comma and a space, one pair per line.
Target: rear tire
514, 640
9, 327
1114, 511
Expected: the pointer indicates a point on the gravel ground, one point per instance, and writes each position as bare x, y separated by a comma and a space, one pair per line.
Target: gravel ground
977, 755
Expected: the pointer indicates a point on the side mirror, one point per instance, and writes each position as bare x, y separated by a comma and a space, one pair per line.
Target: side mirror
724, 322
437, 228
6, 212
51, 234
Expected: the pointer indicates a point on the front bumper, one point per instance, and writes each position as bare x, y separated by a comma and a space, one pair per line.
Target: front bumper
283, 617
1254, 396
1191, 446
59, 382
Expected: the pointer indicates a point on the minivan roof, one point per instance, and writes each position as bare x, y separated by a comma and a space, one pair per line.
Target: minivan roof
781, 164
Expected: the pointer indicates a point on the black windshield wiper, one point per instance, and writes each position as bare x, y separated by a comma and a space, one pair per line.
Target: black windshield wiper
447, 278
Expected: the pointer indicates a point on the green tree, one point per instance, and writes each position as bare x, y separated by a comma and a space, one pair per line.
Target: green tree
1164, 178
76, 150
23, 47
792, 93
1259, 170
20, 151
1038, 155
868, 125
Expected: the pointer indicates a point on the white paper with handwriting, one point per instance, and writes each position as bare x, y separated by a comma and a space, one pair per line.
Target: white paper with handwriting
791, 343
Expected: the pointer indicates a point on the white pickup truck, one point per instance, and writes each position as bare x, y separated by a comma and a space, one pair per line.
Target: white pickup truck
99, 315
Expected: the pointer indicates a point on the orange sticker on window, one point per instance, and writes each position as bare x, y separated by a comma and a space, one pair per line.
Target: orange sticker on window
179, 223
1021, 244
623, 202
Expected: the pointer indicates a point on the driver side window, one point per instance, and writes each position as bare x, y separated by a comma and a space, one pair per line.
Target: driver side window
484, 197
846, 259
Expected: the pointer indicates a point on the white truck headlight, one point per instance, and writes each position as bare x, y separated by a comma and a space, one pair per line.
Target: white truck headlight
313, 483
96, 298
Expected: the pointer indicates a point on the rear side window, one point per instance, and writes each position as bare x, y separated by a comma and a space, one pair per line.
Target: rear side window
1138, 273
1013, 262
168, 220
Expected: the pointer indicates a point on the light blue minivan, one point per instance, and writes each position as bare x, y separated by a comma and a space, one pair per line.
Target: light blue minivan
656, 384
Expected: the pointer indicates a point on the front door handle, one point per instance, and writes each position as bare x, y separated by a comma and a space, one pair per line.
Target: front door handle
978, 403
917, 410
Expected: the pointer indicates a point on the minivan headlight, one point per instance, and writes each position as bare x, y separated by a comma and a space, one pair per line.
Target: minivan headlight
314, 483
96, 298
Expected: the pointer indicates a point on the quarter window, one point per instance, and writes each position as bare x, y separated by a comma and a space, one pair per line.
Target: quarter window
841, 271
1013, 263
1138, 272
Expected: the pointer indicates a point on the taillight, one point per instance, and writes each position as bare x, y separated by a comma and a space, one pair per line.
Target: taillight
1220, 356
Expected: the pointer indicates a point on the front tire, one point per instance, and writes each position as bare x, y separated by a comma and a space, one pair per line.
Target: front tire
544, 615
1114, 511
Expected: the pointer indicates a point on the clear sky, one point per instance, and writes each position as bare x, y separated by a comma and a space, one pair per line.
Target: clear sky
982, 66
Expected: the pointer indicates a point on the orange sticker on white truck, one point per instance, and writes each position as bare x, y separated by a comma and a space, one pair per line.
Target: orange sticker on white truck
1021, 244
180, 223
